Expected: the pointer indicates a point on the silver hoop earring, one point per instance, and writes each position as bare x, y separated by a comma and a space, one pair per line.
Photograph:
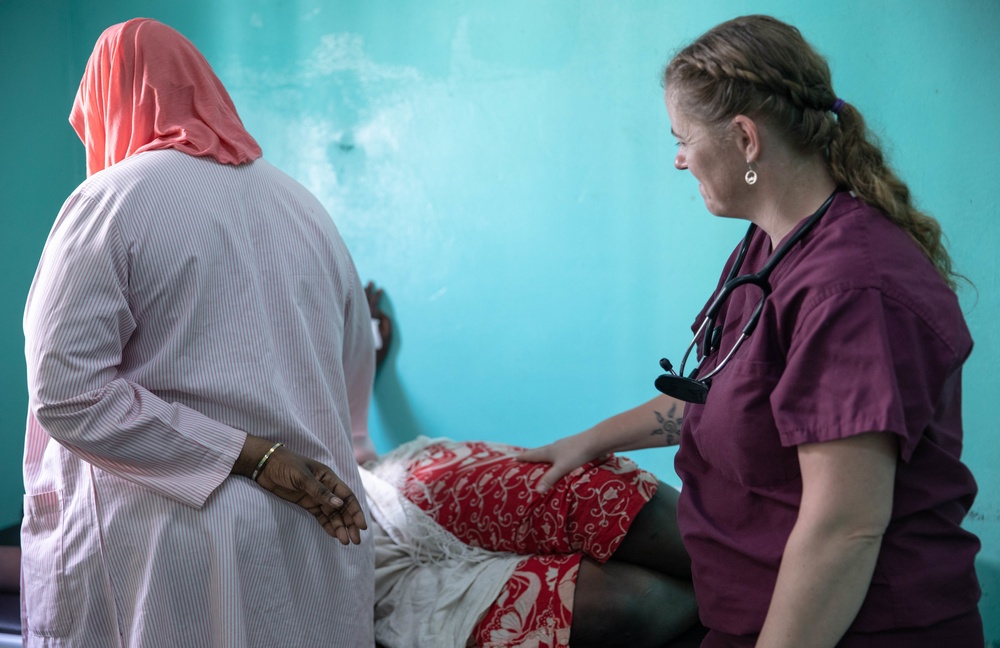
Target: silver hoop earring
751, 176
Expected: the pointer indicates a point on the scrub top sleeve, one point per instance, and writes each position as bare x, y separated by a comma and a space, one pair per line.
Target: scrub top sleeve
77, 323
857, 363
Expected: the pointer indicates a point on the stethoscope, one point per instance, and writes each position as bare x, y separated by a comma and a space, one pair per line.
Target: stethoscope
695, 390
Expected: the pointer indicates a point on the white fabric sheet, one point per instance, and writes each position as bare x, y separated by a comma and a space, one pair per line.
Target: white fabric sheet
430, 588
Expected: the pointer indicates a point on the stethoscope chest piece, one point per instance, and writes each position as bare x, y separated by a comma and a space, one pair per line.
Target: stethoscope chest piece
695, 390
688, 390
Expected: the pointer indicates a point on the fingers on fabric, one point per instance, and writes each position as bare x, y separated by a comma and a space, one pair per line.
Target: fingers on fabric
536, 455
551, 478
543, 455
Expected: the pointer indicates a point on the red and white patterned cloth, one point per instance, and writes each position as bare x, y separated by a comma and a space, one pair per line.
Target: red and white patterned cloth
483, 495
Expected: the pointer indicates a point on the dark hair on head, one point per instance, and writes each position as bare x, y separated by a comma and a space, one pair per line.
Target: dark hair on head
763, 68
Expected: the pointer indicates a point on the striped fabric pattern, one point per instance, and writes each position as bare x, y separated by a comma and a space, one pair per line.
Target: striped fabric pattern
180, 304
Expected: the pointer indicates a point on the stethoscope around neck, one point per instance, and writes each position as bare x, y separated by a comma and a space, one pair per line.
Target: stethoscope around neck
694, 389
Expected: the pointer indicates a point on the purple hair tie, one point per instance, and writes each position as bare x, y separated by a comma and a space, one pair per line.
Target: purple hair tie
837, 105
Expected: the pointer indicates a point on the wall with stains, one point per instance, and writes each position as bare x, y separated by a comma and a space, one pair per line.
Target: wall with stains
504, 170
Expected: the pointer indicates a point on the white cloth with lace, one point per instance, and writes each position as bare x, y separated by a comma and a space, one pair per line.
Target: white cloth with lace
431, 589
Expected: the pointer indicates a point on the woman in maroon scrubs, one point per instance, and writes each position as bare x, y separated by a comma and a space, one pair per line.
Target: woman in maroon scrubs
821, 453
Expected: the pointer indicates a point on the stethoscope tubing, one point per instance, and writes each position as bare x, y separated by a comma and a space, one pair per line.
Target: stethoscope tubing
759, 279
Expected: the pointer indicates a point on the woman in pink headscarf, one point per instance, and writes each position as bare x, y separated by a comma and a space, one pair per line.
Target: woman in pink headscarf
199, 356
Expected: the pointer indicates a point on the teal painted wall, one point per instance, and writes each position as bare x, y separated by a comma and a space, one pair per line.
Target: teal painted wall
505, 171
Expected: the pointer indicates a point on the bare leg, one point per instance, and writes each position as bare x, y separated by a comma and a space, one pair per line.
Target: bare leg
10, 569
643, 595
618, 604
654, 540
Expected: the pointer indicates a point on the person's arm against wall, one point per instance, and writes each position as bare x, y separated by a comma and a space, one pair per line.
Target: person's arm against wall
382, 324
359, 350
828, 562
654, 424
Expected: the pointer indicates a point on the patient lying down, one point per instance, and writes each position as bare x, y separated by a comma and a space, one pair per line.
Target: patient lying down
469, 553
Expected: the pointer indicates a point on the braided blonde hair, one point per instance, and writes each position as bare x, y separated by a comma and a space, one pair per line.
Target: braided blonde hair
761, 67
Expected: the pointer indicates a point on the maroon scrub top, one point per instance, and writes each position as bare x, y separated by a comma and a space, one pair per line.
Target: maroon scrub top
860, 334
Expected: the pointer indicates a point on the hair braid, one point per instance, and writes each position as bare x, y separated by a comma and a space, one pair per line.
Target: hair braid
764, 68
856, 162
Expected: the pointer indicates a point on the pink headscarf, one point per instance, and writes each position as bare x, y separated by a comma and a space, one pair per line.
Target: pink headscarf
147, 87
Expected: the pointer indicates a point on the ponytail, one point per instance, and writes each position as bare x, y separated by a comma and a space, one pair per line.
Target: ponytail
760, 66
857, 163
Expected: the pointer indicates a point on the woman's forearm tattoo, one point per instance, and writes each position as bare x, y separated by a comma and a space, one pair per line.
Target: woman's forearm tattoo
670, 426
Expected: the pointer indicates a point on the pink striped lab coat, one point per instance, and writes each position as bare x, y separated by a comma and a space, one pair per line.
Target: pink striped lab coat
178, 305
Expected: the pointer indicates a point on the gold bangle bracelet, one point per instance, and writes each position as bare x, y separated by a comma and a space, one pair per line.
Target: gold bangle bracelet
263, 460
